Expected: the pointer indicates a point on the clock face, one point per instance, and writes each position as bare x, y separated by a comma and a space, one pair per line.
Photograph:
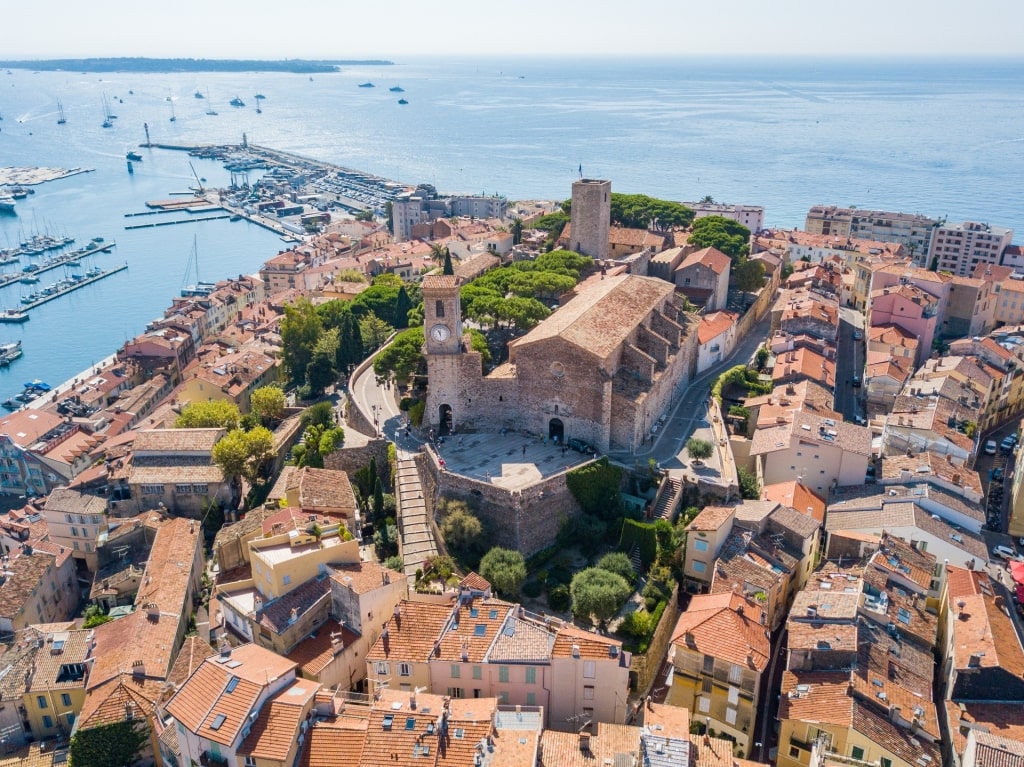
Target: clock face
440, 332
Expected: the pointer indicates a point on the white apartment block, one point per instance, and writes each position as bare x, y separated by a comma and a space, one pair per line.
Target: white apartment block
961, 247
751, 216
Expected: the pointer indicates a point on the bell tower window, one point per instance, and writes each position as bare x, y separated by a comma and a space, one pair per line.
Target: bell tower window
439, 308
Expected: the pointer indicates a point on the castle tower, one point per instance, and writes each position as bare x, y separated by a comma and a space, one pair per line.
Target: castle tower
591, 217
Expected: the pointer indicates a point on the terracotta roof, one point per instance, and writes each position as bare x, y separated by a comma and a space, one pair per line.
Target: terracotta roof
591, 646
807, 364
475, 582
798, 522
67, 501
192, 653
674, 721
251, 522
109, 702
610, 744
712, 258
212, 691
473, 626
440, 282
314, 654
714, 625
796, 496
363, 577
519, 641
60, 649
713, 325
176, 440
329, 738
712, 518
276, 615
893, 738
816, 697
411, 635
324, 488
169, 568
34, 755
1005, 720
602, 315
277, 726
26, 572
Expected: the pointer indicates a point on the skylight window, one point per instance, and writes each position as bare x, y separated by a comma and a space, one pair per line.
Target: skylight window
410, 723
218, 721
480, 629
232, 684
903, 615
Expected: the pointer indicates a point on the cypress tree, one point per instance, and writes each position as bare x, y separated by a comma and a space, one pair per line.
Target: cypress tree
402, 307
447, 263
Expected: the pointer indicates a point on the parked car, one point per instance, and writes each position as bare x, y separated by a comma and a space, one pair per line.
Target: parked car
580, 446
1007, 445
990, 447
997, 474
1004, 552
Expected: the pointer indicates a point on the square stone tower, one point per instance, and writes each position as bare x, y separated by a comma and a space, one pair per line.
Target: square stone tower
591, 217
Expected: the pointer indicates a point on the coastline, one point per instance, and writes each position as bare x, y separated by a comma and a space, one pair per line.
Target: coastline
67, 385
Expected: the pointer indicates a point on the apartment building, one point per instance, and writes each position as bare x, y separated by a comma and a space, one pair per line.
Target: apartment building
76, 520
703, 277
960, 248
719, 649
482, 647
38, 585
55, 682
912, 230
751, 216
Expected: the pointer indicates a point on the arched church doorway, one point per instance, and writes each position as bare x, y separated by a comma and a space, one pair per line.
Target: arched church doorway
556, 431
444, 419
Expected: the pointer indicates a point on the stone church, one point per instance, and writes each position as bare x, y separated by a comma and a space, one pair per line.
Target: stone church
604, 367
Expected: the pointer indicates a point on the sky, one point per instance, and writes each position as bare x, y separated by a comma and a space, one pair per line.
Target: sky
406, 29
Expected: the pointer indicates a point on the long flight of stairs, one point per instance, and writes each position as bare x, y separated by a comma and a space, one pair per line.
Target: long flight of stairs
667, 503
415, 534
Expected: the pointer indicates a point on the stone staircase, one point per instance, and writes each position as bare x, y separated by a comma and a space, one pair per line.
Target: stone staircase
634, 559
666, 505
416, 538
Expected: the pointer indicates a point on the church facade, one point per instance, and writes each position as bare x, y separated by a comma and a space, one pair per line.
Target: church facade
603, 368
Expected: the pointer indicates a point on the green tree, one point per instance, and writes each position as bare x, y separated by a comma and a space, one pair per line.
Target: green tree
750, 276
217, 413
373, 331
378, 499
349, 275
505, 569
402, 357
724, 234
108, 744
364, 215
596, 488
300, 330
617, 562
460, 528
320, 373
447, 268
517, 230
268, 403
761, 357
244, 453
750, 488
94, 616
321, 413
389, 212
402, 307
598, 593
700, 449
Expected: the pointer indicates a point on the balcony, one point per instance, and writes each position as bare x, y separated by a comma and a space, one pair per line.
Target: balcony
208, 759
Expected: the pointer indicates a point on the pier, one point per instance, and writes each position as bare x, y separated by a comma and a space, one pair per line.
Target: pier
74, 286
179, 221
52, 263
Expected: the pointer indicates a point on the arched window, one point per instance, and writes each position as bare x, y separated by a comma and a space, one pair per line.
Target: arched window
439, 308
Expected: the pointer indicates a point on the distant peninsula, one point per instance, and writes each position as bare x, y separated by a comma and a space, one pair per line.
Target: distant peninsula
133, 64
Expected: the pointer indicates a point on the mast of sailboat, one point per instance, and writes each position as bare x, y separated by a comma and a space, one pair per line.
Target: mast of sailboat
60, 111
200, 183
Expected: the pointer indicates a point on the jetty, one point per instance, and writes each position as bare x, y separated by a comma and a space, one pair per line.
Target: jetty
56, 261
177, 221
72, 286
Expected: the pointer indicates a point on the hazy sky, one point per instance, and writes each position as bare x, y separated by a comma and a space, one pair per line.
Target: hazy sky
398, 29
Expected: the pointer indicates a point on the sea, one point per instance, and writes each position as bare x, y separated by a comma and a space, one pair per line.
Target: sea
939, 137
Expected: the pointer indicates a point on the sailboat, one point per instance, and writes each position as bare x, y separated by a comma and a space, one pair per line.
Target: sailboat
198, 288
199, 94
60, 110
173, 117
106, 113
211, 110
259, 109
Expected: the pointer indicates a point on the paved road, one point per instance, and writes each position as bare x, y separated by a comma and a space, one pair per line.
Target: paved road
850, 358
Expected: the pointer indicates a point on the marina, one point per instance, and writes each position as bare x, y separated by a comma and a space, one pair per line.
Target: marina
54, 262
69, 285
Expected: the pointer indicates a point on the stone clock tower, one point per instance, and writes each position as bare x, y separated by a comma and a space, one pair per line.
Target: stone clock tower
449, 393
442, 314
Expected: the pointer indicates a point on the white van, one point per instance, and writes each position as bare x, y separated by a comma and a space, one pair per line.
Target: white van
1004, 552
990, 447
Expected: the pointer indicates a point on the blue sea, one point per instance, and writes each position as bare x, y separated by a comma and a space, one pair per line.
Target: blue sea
942, 138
